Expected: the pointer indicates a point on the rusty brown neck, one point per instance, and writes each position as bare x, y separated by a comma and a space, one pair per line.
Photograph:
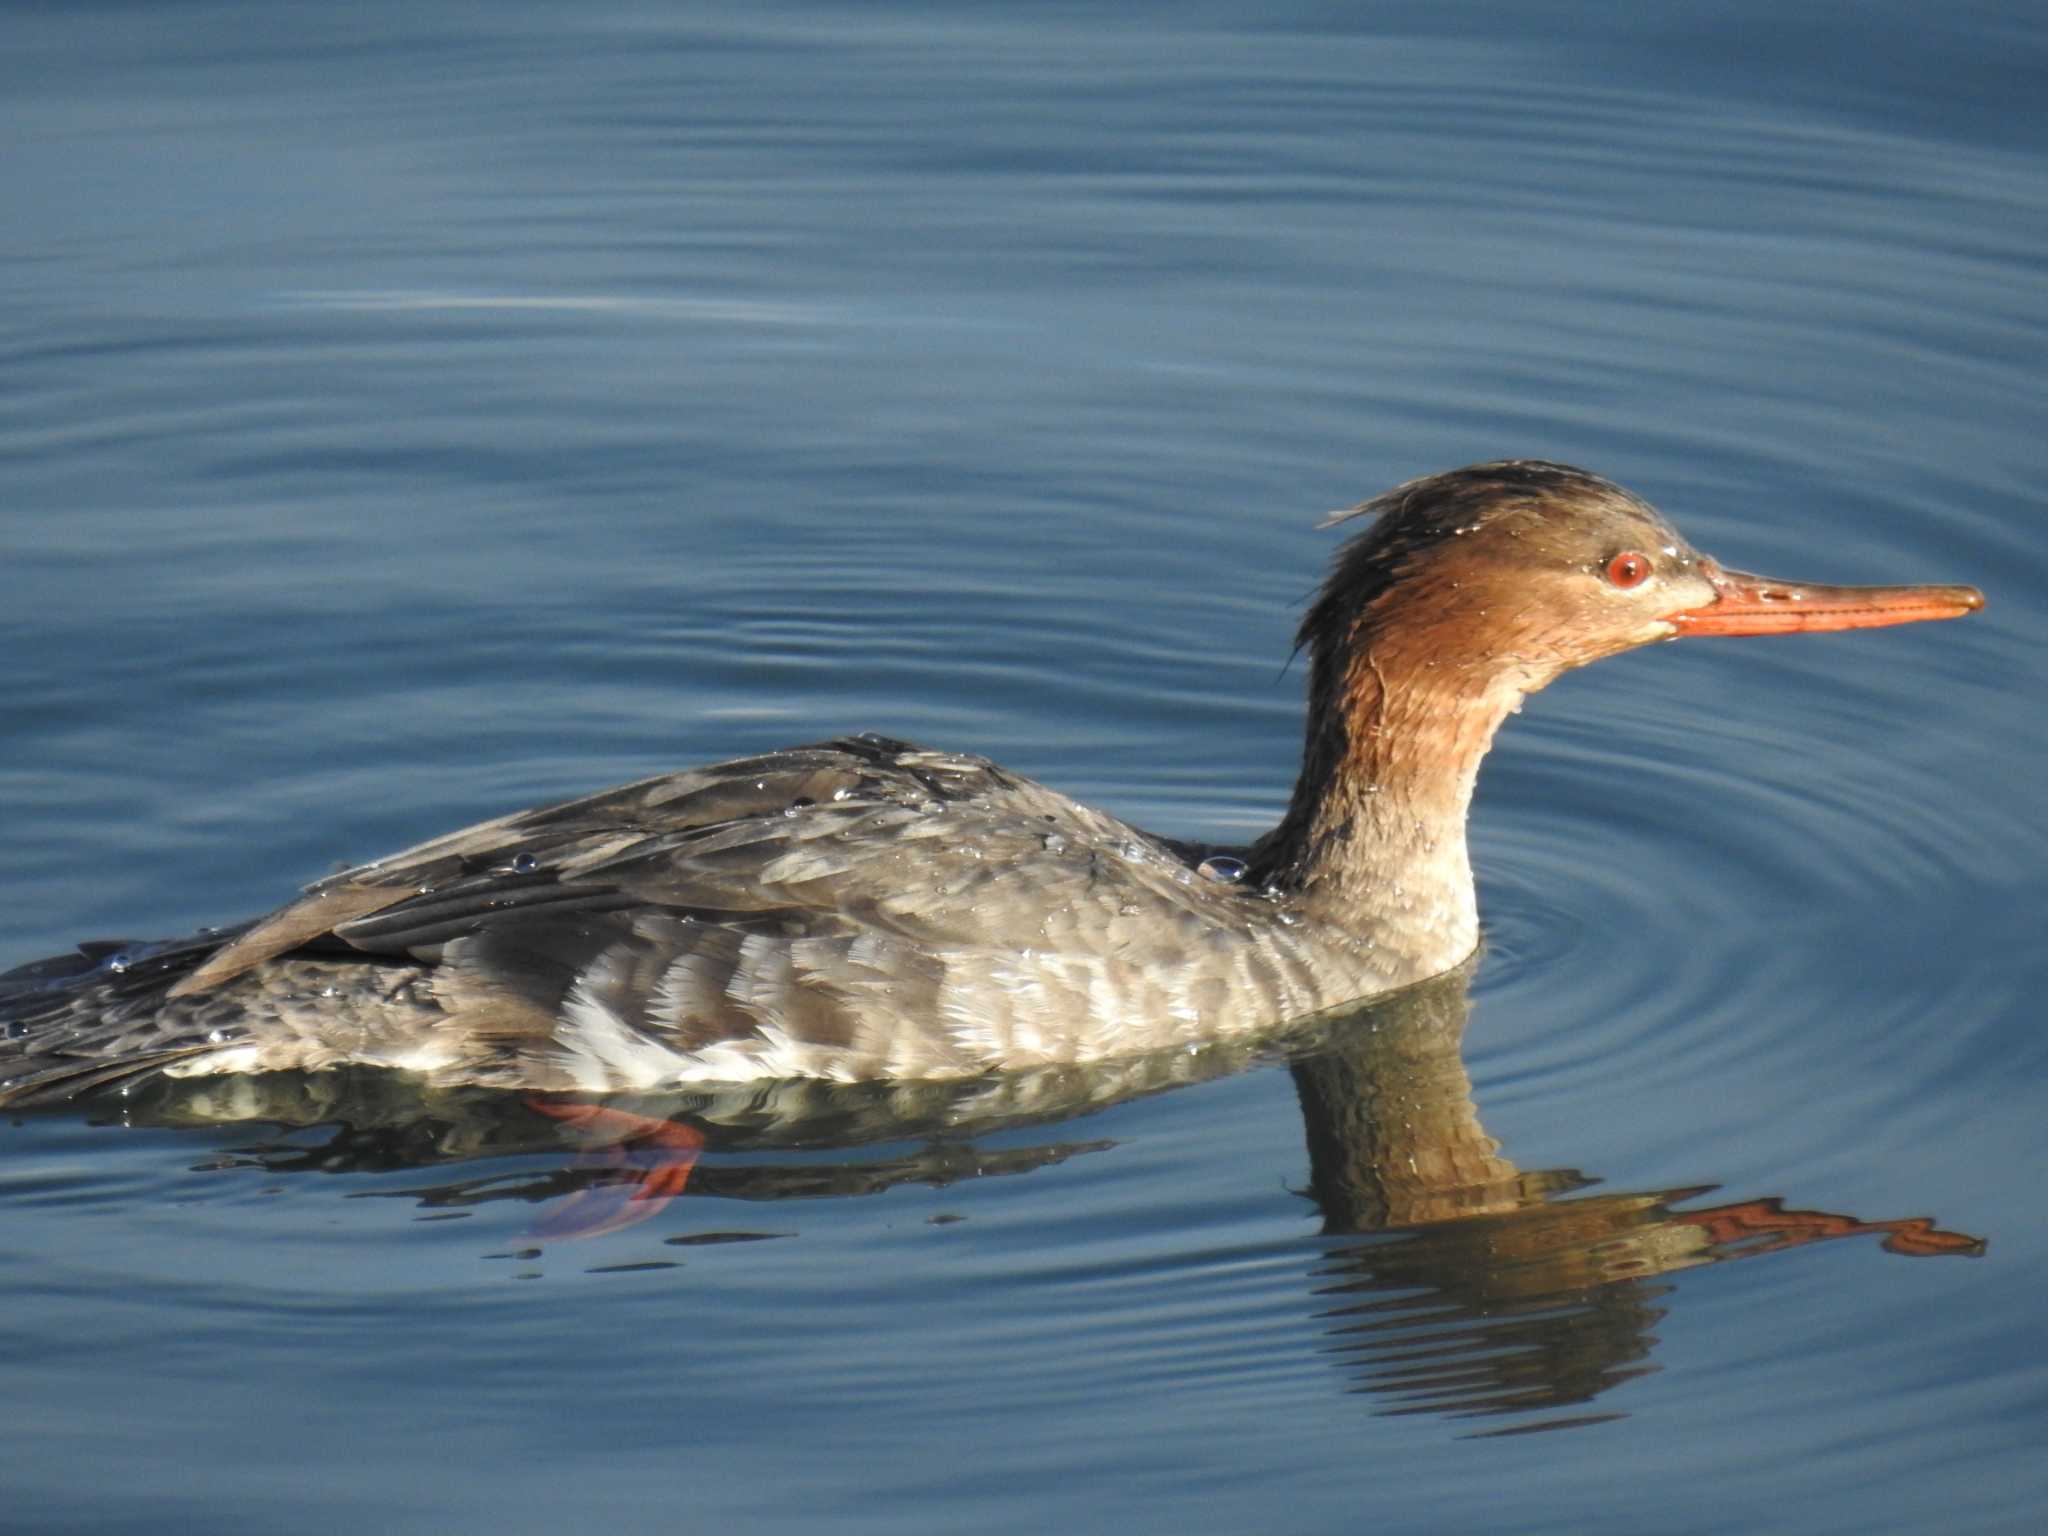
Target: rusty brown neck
1374, 838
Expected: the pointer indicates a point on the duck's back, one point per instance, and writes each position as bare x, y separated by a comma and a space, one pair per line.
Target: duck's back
860, 908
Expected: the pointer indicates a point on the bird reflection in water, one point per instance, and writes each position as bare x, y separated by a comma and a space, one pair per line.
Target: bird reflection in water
1448, 1281
1482, 1289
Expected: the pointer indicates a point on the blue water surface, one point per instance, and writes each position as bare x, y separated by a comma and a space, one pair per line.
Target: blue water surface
412, 412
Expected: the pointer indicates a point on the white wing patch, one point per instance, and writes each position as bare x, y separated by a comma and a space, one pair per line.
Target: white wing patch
602, 1054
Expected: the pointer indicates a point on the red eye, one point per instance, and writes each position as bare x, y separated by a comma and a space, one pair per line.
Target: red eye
1628, 569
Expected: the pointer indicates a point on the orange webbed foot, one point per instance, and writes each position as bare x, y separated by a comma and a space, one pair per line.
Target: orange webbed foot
640, 1164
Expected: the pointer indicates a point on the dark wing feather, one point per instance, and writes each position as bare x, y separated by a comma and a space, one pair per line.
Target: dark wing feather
84, 1020
704, 842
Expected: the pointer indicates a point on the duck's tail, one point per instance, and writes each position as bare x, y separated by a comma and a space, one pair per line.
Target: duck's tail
96, 1017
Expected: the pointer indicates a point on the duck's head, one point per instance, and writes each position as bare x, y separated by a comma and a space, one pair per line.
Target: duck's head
1467, 591
1504, 575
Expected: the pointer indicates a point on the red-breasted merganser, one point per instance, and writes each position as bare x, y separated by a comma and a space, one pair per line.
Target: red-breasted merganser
867, 909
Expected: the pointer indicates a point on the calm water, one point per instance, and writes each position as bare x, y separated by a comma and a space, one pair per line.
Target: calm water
412, 412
